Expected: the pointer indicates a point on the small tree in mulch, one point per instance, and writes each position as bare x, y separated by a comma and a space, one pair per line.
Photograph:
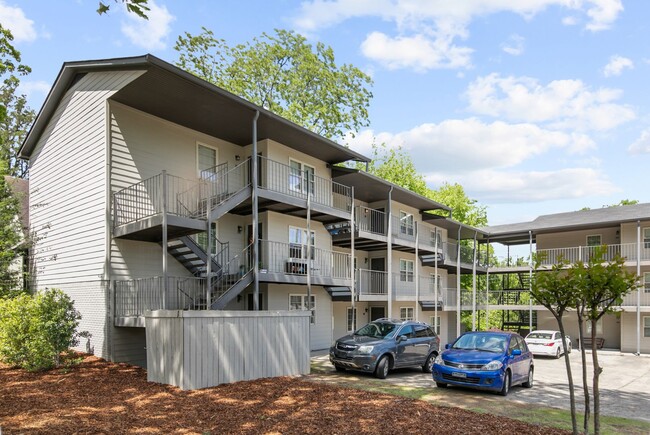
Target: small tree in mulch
36, 330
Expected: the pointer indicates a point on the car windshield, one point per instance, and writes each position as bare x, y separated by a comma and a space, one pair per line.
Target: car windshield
484, 342
378, 330
544, 336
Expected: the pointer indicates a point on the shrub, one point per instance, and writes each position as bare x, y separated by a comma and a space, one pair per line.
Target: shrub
34, 330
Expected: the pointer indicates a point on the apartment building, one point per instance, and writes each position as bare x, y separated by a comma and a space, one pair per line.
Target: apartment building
573, 236
152, 189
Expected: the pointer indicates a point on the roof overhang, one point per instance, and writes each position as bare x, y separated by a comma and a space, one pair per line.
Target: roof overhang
173, 94
454, 227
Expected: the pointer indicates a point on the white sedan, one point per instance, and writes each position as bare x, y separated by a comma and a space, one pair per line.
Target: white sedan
547, 343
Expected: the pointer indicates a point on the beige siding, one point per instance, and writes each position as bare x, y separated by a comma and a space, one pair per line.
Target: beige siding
609, 236
629, 333
68, 182
629, 231
282, 154
321, 331
278, 229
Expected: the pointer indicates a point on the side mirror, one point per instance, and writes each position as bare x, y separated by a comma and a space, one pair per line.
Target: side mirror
401, 338
516, 352
448, 346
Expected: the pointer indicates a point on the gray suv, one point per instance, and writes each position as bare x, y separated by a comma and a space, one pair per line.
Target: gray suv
386, 344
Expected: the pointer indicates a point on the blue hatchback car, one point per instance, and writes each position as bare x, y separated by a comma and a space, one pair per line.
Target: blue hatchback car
491, 360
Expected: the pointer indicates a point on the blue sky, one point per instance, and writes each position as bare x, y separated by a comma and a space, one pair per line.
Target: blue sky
534, 106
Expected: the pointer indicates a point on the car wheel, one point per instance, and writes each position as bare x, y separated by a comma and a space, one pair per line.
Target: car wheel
557, 353
529, 382
441, 385
381, 371
339, 368
505, 389
428, 364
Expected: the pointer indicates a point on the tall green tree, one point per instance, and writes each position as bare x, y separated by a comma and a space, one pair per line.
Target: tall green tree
283, 73
11, 239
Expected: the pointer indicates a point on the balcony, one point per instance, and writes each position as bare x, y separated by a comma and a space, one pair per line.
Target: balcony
290, 263
549, 257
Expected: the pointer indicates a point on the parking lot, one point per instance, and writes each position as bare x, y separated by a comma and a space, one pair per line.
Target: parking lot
624, 383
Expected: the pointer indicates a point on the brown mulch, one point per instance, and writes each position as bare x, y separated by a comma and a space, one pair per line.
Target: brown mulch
101, 397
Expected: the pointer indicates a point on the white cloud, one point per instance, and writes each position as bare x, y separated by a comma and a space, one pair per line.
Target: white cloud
14, 19
464, 145
616, 65
149, 34
560, 104
514, 45
435, 26
521, 186
642, 144
34, 89
418, 52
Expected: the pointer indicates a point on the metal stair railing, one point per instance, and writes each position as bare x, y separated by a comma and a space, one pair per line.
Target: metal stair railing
222, 184
233, 272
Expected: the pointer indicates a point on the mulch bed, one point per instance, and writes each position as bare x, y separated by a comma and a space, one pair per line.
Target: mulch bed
101, 397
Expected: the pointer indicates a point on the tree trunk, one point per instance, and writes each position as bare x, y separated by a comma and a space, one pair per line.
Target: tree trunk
597, 371
585, 383
572, 395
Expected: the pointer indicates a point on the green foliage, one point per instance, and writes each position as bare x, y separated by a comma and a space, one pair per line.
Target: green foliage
464, 209
621, 203
138, 7
286, 75
35, 330
10, 237
14, 127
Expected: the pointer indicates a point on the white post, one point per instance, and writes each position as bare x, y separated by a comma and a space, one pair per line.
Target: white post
416, 271
638, 290
389, 254
474, 286
435, 283
458, 283
530, 282
164, 237
352, 271
255, 216
309, 248
487, 286
208, 267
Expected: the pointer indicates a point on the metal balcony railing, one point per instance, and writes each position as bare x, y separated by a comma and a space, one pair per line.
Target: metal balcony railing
370, 220
162, 192
133, 297
403, 228
220, 183
294, 259
428, 289
548, 257
466, 254
281, 178
372, 282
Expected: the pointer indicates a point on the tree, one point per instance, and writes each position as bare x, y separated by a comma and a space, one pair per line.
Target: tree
283, 74
600, 287
14, 127
397, 167
554, 289
10, 236
138, 7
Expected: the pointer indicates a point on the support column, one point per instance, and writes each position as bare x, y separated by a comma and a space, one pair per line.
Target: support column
458, 283
255, 205
435, 284
416, 271
389, 254
530, 283
638, 290
474, 285
208, 267
487, 286
352, 271
164, 238
309, 248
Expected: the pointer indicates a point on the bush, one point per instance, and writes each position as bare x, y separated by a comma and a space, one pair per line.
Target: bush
34, 330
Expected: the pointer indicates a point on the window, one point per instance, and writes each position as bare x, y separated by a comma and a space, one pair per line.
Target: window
599, 327
301, 177
408, 331
594, 240
435, 322
406, 313
405, 270
206, 160
646, 238
646, 326
433, 239
432, 284
646, 281
406, 225
298, 243
299, 302
352, 318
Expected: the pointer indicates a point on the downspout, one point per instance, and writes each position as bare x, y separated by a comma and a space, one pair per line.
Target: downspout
638, 290
255, 217
474, 286
458, 283
389, 253
417, 272
352, 271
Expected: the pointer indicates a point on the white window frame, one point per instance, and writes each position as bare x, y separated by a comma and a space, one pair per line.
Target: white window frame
600, 239
303, 242
406, 223
646, 282
435, 323
351, 321
302, 305
216, 157
304, 181
404, 313
646, 326
406, 275
645, 240
599, 327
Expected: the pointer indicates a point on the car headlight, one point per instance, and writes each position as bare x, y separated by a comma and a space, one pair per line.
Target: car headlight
365, 349
439, 361
493, 365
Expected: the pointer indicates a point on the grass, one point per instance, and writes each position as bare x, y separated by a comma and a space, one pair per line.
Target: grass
487, 404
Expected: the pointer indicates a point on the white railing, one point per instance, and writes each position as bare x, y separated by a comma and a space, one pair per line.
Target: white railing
372, 282
548, 257
294, 259
404, 284
466, 254
133, 297
427, 289
631, 299
281, 178
370, 220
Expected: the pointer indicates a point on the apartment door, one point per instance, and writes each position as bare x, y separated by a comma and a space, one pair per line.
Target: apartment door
377, 313
378, 280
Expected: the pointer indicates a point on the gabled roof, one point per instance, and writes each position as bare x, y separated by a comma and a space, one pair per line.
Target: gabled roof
569, 221
171, 93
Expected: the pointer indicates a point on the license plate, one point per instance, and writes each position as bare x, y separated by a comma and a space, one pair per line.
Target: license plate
459, 375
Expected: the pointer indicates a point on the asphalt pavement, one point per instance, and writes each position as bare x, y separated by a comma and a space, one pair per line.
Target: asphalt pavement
624, 382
